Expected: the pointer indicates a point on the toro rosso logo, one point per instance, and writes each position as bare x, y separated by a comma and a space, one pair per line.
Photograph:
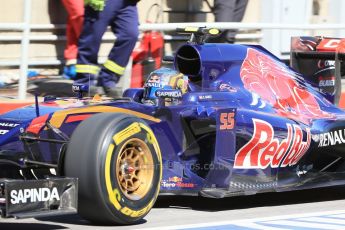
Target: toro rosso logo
264, 149
279, 86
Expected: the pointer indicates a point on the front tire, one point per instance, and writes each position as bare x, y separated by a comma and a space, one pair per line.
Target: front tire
117, 161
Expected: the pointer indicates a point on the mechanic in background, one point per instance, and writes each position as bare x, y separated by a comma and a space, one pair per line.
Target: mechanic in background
122, 16
75, 11
228, 11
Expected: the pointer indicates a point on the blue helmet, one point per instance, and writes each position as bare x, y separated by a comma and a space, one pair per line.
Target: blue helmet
163, 78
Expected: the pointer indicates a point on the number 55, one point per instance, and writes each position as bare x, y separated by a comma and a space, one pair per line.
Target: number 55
227, 121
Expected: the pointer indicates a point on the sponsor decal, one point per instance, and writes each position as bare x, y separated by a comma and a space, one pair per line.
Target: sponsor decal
325, 64
264, 149
205, 97
326, 81
152, 84
6, 124
167, 184
169, 93
327, 44
279, 86
185, 185
3, 132
76, 88
227, 87
315, 137
336, 137
80, 88
126, 133
175, 179
176, 182
23, 196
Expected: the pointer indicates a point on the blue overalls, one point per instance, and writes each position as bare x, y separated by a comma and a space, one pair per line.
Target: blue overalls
122, 16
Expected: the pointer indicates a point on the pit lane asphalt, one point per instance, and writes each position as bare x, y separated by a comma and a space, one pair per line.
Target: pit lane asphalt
181, 210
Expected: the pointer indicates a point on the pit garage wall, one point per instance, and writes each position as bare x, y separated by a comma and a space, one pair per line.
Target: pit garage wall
337, 15
284, 12
52, 12
298, 12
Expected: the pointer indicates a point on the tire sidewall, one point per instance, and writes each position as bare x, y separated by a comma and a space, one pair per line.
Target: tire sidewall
117, 203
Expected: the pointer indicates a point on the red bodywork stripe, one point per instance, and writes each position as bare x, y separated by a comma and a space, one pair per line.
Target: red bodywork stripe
77, 118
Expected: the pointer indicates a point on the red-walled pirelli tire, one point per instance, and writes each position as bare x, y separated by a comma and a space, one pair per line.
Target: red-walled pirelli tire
117, 160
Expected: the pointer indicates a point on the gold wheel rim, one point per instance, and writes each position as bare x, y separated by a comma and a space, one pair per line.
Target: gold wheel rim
135, 169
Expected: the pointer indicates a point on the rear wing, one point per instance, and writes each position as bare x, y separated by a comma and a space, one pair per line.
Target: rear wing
321, 61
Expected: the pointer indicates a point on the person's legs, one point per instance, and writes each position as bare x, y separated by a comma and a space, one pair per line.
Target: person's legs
75, 10
95, 24
70, 52
125, 27
224, 11
240, 9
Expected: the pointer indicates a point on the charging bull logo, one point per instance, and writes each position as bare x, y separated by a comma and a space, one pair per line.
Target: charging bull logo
273, 82
264, 150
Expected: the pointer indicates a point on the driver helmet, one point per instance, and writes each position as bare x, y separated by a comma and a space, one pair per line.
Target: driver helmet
164, 78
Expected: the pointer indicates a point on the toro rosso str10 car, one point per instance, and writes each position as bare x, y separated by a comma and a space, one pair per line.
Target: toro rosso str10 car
246, 124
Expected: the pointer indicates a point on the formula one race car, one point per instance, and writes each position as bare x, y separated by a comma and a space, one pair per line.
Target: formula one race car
229, 120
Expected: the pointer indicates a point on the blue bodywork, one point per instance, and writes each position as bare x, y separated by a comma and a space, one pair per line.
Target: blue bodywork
249, 123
